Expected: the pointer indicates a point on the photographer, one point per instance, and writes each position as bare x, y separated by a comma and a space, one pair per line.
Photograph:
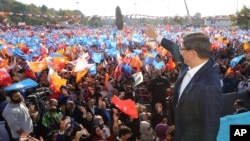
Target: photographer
36, 102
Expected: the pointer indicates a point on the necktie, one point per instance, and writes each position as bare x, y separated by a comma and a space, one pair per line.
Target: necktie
184, 83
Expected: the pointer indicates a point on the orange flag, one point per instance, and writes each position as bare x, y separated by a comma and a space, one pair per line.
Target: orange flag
162, 51
37, 66
117, 72
56, 82
136, 62
59, 63
106, 78
230, 70
60, 51
81, 74
3, 63
246, 46
73, 49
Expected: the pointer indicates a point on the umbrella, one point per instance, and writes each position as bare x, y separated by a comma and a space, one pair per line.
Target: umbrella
24, 84
126, 106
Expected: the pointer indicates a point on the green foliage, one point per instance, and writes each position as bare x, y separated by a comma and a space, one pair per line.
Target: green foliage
17, 7
95, 21
118, 20
242, 19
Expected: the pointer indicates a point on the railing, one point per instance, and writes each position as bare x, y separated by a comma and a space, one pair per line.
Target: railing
142, 96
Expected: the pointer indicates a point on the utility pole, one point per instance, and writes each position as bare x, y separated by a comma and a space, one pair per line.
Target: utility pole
237, 10
189, 20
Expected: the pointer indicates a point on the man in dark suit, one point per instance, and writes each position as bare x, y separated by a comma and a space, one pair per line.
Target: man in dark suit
239, 106
74, 111
197, 99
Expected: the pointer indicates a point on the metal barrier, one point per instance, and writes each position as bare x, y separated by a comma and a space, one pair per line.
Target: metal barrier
142, 97
229, 99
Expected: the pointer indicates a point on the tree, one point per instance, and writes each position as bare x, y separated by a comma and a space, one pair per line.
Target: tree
197, 14
46, 14
95, 21
44, 8
118, 20
197, 20
242, 19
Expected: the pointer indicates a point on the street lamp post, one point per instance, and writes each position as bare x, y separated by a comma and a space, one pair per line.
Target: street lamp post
135, 14
237, 10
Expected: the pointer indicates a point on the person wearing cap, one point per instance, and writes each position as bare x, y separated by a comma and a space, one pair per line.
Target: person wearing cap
17, 115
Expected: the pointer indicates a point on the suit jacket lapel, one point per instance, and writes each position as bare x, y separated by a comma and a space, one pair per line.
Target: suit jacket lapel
178, 84
186, 91
192, 83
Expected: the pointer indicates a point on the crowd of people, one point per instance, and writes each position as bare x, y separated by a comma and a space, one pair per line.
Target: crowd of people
86, 68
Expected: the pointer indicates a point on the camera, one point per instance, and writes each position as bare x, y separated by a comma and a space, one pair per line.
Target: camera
38, 98
42, 92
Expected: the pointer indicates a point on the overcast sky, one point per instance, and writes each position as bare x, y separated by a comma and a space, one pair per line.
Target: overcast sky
146, 7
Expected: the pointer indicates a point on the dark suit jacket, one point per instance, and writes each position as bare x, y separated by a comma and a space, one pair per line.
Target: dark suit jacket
89, 110
76, 114
197, 112
241, 111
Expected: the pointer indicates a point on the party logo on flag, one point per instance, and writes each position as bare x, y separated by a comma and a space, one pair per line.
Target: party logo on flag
138, 78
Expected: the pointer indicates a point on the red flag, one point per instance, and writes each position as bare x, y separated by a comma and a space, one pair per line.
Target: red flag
90, 92
5, 79
126, 106
170, 65
30, 74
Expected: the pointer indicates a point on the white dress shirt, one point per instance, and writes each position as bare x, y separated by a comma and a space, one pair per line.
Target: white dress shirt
188, 76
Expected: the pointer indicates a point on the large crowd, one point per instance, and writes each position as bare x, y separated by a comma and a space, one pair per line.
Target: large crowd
85, 68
